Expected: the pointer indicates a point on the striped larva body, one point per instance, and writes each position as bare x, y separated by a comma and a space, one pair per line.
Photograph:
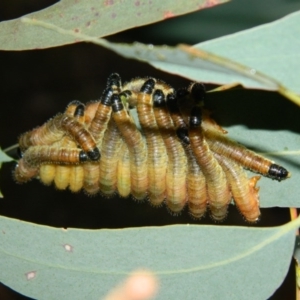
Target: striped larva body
217, 186
176, 169
137, 149
157, 155
110, 152
243, 189
173, 152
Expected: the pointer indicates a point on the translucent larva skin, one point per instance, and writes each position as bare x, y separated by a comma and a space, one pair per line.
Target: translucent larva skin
76, 178
47, 173
110, 152
157, 156
137, 149
176, 169
62, 172
123, 175
217, 187
91, 177
243, 189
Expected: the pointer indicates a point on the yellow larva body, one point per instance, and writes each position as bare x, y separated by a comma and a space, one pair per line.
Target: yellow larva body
157, 155
173, 153
123, 172
137, 150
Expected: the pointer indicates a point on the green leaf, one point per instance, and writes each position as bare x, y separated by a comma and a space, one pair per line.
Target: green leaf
4, 157
91, 17
205, 66
218, 262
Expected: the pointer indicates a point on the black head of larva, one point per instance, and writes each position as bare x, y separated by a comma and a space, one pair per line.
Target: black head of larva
148, 86
196, 117
183, 135
94, 155
182, 93
105, 98
198, 92
159, 99
277, 172
79, 111
114, 79
116, 103
82, 156
172, 103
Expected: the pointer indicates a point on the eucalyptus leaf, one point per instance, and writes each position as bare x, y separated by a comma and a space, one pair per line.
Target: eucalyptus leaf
201, 65
216, 261
272, 49
90, 17
4, 157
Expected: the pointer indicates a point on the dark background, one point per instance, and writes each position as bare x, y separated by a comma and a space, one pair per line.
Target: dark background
35, 85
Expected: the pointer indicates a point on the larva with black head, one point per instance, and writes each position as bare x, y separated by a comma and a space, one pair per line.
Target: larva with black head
108, 165
243, 189
157, 156
176, 169
217, 186
224, 146
137, 149
245, 157
196, 183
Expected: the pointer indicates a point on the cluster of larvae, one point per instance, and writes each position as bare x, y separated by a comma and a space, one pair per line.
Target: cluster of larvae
170, 151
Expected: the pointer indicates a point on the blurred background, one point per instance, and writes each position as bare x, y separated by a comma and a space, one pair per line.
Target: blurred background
36, 85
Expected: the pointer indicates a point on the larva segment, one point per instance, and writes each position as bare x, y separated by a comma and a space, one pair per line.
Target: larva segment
76, 178
23, 172
46, 134
36, 155
217, 187
62, 172
196, 183
81, 136
47, 173
176, 169
109, 161
91, 177
137, 149
103, 113
157, 156
245, 157
243, 189
123, 176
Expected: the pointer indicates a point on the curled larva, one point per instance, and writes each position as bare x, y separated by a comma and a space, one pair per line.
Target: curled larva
157, 156
177, 162
108, 165
217, 186
243, 189
137, 149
